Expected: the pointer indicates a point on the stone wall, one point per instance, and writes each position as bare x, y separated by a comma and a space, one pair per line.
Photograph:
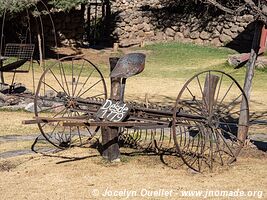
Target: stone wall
69, 28
135, 21
149, 20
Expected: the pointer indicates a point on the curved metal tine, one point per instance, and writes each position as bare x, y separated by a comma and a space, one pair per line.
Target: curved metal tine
211, 157
192, 144
129, 136
190, 139
190, 108
162, 145
218, 146
229, 133
145, 140
150, 143
203, 145
197, 149
136, 136
170, 137
185, 138
207, 151
140, 135
154, 137
225, 142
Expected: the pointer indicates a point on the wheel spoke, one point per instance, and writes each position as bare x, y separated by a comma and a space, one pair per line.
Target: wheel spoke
85, 83
89, 88
65, 78
58, 81
78, 79
226, 93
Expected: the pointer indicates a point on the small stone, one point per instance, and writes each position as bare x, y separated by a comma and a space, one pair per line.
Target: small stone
194, 35
234, 28
248, 18
225, 38
239, 19
146, 27
170, 32
227, 32
215, 34
149, 34
140, 26
240, 29
30, 108
198, 41
141, 33
178, 36
226, 26
219, 28
216, 42
204, 35
50, 94
186, 32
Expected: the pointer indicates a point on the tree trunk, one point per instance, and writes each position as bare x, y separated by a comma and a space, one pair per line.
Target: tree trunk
249, 77
39, 38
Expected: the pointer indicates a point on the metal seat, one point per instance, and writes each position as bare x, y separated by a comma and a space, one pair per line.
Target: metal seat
129, 65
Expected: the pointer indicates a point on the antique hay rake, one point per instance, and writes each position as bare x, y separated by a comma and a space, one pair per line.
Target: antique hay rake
202, 127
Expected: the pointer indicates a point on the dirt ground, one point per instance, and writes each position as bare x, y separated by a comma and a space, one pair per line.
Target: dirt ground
82, 174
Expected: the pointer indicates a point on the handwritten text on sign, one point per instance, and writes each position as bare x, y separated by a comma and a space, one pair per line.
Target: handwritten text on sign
114, 111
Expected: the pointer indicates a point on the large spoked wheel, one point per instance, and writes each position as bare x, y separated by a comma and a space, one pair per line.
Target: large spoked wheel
206, 120
65, 90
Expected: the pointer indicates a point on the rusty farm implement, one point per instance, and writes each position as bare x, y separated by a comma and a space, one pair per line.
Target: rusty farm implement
201, 128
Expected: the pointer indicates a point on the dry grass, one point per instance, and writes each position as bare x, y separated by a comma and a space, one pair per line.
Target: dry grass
41, 177
11, 123
11, 146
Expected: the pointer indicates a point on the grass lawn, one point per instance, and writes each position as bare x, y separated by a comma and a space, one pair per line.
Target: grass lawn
168, 66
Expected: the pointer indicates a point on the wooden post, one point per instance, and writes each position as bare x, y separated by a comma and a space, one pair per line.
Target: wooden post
248, 80
110, 145
211, 82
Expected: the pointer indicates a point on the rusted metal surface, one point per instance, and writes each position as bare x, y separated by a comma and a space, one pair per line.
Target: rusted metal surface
200, 128
129, 65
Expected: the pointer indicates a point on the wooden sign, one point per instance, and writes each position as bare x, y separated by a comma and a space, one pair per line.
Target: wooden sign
114, 111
